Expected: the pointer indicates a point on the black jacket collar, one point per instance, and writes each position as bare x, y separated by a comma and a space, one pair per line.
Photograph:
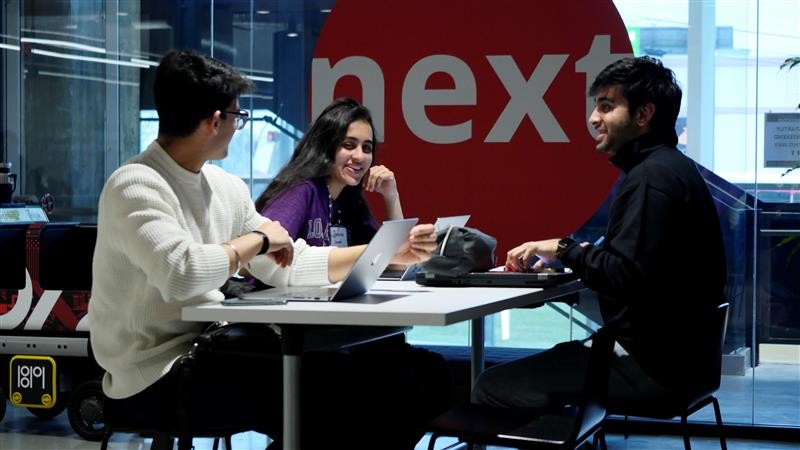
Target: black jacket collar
636, 151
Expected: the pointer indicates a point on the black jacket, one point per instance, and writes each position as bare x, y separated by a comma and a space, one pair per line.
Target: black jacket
661, 269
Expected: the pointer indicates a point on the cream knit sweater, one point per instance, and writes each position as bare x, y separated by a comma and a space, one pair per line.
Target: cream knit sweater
159, 227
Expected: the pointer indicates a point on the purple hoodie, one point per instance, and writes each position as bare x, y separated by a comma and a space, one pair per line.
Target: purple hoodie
304, 211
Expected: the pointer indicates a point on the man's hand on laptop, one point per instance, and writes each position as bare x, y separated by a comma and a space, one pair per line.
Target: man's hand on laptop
519, 258
418, 247
281, 248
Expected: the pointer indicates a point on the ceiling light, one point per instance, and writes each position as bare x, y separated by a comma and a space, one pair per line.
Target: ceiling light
65, 44
36, 51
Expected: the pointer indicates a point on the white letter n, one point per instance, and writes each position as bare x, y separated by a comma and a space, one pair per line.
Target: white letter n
324, 79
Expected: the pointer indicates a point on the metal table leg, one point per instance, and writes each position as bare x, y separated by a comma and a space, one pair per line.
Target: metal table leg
477, 362
292, 338
291, 402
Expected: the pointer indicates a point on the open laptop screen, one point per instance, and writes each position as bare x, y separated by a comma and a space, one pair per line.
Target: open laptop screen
363, 273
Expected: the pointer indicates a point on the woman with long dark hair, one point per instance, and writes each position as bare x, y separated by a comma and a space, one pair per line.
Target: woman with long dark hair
318, 195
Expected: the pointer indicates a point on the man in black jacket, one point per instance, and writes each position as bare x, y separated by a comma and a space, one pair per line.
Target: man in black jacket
662, 217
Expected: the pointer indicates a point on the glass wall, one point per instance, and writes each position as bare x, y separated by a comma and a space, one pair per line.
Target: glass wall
77, 80
76, 102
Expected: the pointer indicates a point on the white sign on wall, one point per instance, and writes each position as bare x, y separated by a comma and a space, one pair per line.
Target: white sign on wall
781, 139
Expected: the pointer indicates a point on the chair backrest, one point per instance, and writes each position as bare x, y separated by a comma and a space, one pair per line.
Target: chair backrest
66, 251
12, 251
669, 404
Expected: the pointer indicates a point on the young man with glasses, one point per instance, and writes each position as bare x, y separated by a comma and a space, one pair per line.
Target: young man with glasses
242, 117
171, 230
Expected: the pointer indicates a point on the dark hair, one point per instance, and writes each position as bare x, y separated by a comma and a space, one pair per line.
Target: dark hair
189, 87
316, 152
645, 80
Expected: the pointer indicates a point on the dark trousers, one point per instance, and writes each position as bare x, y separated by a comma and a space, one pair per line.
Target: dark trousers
559, 373
377, 395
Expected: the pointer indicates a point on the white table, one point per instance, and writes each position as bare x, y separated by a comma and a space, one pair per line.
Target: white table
419, 305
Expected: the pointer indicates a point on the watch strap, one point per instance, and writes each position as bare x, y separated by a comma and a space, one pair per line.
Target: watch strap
563, 245
264, 241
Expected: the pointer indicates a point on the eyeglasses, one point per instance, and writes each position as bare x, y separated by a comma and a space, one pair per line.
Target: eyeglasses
242, 116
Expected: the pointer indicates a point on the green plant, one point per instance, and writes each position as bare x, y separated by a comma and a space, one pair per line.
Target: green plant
791, 62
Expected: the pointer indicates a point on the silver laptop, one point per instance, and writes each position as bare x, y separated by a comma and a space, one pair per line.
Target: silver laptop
363, 274
442, 223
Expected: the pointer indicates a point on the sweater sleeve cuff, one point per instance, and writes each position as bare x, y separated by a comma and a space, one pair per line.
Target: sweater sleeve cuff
310, 266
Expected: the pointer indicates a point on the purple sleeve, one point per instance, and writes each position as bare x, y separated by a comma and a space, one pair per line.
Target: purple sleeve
291, 208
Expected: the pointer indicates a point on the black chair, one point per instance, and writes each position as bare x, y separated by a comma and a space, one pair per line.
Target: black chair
12, 247
671, 406
183, 428
12, 277
66, 250
188, 422
65, 263
561, 427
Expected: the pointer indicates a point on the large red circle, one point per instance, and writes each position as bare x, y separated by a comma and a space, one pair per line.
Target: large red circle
518, 190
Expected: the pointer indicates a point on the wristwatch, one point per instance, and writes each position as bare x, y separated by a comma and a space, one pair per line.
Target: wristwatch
264, 241
563, 243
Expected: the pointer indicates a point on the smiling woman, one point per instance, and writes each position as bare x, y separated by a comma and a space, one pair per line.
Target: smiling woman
353, 158
318, 196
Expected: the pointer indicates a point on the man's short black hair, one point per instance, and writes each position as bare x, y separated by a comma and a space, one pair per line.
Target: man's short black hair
645, 80
190, 86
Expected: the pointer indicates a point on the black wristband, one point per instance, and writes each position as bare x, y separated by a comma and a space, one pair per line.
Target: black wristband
563, 244
264, 241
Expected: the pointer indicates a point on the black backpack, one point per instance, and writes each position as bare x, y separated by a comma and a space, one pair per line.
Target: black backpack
461, 250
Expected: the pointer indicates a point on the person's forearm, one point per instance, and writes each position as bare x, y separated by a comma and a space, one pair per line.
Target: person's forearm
340, 260
246, 245
394, 210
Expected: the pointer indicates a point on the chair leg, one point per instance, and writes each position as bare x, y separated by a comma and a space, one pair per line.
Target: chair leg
106, 438
685, 429
228, 446
162, 441
459, 446
185, 443
432, 441
722, 444
600, 438
626, 433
